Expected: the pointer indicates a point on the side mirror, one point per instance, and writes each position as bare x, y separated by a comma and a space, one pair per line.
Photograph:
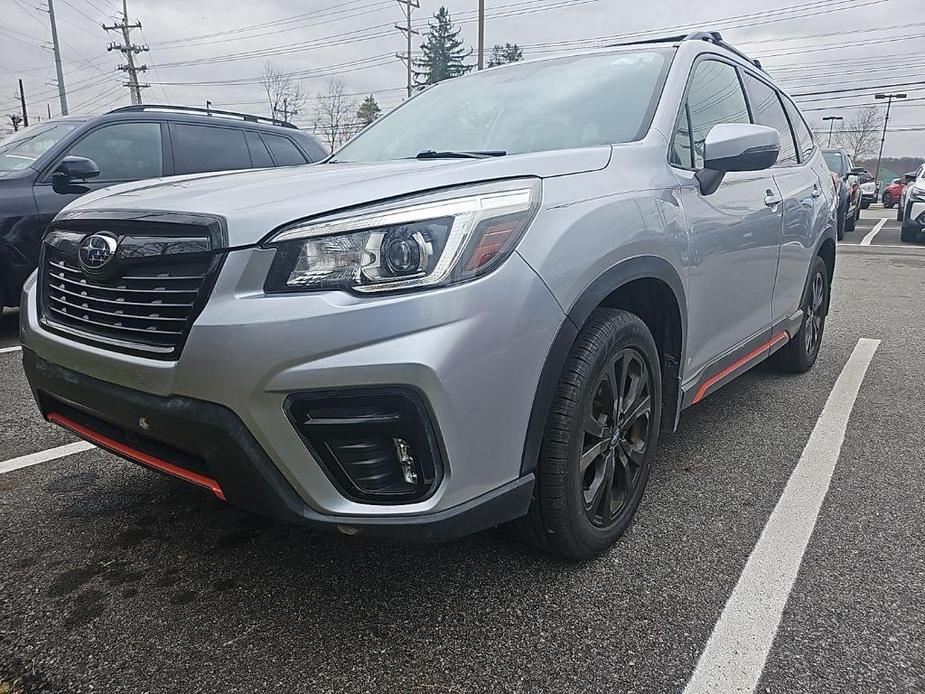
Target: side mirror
73, 169
736, 147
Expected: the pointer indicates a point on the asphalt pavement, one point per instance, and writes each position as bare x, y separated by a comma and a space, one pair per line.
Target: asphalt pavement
121, 580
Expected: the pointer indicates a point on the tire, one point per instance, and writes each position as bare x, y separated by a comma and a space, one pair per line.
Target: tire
865, 204
888, 201
593, 444
852, 220
800, 353
899, 214
909, 233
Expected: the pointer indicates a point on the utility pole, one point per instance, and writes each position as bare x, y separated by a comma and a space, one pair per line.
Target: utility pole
831, 120
481, 34
889, 102
62, 92
22, 100
129, 51
408, 6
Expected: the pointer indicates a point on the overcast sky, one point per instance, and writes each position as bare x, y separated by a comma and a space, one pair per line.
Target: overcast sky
808, 46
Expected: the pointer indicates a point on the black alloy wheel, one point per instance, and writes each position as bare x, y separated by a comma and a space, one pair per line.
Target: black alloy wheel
800, 353
600, 439
814, 316
617, 425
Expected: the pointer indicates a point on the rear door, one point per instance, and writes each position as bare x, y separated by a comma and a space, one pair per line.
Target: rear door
808, 198
735, 232
203, 148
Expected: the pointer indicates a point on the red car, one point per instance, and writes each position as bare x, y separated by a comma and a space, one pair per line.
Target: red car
892, 192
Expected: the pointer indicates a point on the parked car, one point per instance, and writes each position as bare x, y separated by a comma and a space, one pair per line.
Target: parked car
868, 187
49, 164
912, 208
893, 192
483, 309
848, 187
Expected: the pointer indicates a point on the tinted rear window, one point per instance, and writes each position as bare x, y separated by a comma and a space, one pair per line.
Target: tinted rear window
198, 148
284, 151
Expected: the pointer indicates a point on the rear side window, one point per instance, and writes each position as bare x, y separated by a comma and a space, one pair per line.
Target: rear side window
198, 148
123, 151
804, 137
259, 154
284, 151
715, 96
767, 110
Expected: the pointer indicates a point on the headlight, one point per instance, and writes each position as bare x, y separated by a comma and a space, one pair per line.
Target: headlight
427, 241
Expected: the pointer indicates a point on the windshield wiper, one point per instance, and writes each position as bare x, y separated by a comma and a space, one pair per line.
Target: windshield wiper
432, 154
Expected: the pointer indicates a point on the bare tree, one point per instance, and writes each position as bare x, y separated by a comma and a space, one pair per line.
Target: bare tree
334, 114
285, 95
860, 132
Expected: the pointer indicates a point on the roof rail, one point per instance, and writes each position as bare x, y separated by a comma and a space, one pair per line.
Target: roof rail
716, 39
713, 37
250, 118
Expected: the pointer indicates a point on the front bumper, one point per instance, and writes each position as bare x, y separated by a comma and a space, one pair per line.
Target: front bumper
474, 352
216, 451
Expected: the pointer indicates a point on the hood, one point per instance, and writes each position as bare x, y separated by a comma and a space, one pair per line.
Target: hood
254, 203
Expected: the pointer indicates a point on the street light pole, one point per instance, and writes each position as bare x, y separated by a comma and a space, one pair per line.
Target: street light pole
831, 120
889, 102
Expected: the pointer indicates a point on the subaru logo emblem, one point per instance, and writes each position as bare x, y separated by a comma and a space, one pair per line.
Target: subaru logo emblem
96, 251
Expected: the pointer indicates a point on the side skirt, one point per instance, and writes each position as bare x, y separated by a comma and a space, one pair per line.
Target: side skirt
740, 360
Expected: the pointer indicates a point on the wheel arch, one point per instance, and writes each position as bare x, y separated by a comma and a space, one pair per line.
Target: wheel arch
644, 284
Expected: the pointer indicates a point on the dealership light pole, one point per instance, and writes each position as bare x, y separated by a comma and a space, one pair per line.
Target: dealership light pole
889, 102
831, 120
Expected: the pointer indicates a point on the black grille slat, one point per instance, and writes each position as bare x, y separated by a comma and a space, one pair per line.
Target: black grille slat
113, 326
120, 302
116, 314
145, 302
130, 290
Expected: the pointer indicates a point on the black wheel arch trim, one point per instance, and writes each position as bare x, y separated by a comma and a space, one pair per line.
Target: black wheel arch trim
609, 281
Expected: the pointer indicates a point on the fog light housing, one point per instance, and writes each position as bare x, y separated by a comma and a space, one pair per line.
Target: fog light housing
375, 445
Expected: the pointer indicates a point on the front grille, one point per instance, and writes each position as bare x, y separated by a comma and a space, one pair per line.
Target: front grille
145, 302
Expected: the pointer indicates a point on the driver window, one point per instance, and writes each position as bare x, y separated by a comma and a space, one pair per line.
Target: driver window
123, 151
714, 96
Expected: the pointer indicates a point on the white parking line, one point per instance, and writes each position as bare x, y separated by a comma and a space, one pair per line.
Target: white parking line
872, 233
4, 350
44, 456
735, 655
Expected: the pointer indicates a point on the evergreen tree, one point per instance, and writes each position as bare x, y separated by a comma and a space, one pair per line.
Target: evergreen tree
368, 111
444, 55
508, 53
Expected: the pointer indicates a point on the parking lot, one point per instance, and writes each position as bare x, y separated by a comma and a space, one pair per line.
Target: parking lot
117, 579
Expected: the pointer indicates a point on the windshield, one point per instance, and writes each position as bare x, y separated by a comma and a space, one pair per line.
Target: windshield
581, 101
835, 162
20, 149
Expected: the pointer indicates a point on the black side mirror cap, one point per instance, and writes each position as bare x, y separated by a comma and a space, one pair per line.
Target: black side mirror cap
71, 169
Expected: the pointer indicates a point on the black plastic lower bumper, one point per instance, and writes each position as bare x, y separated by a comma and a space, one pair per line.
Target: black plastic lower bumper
210, 440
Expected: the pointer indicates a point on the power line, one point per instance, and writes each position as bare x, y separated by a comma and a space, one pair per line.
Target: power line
408, 6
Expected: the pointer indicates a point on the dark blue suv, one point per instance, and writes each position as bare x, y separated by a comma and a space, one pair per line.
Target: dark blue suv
46, 166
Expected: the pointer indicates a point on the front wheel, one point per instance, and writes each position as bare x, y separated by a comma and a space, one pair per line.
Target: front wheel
865, 204
599, 441
888, 201
799, 355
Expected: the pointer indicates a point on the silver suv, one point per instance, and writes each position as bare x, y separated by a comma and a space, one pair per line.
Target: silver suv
483, 309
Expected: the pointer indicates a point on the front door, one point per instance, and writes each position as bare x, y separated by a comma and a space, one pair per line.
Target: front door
735, 231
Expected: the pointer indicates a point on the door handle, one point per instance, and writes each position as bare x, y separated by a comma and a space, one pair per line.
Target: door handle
772, 199
817, 191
